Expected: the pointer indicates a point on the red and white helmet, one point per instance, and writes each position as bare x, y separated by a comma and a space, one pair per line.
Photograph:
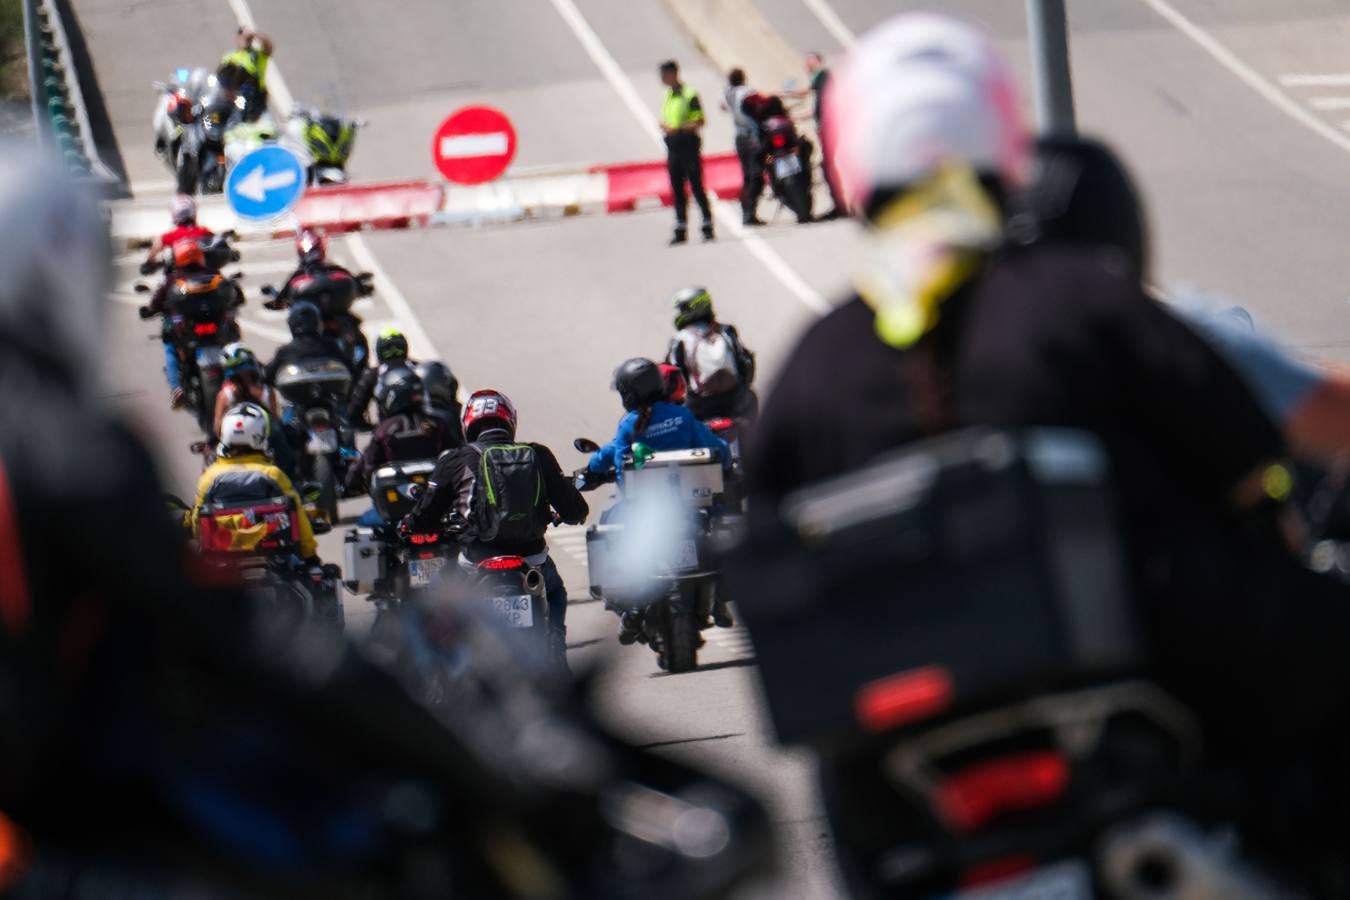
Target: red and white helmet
243, 429
488, 409
311, 245
183, 209
918, 92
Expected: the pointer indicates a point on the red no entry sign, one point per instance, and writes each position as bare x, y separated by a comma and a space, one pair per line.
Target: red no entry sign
474, 145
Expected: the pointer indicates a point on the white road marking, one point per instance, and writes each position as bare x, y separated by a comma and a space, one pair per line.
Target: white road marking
1327, 103
418, 342
252, 326
1249, 76
1339, 79
647, 121
467, 145
822, 10
153, 187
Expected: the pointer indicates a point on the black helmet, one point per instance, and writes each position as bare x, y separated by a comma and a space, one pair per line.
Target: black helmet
440, 383
639, 383
303, 319
1083, 193
400, 392
692, 304
391, 345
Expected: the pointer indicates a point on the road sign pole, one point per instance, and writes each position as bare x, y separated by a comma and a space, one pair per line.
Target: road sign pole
1049, 32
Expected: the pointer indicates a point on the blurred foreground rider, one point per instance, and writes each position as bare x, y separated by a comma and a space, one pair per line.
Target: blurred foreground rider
952, 327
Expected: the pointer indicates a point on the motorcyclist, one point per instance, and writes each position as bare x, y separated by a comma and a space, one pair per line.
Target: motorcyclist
405, 432
455, 487
391, 352
183, 210
188, 259
927, 142
244, 472
717, 366
244, 69
311, 251
440, 398
307, 342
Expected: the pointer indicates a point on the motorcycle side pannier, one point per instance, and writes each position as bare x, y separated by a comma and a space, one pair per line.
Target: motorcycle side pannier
957, 573
363, 560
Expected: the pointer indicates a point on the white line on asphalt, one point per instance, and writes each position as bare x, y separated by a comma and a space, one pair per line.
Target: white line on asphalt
1247, 74
830, 19
153, 187
1326, 103
623, 85
252, 326
418, 342
419, 345
1339, 79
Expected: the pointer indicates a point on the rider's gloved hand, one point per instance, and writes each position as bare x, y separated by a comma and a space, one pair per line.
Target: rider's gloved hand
146, 312
147, 268
587, 480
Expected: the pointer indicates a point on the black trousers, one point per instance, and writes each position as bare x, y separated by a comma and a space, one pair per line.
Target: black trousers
752, 174
685, 165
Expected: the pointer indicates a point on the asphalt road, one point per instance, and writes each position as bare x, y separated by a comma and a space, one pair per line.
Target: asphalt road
1244, 199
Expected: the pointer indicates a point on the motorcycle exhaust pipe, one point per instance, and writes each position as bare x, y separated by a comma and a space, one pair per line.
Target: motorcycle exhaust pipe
534, 581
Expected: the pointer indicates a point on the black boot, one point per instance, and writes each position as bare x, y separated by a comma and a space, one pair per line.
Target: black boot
708, 231
681, 236
630, 627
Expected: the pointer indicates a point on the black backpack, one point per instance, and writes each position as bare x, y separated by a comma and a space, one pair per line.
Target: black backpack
509, 502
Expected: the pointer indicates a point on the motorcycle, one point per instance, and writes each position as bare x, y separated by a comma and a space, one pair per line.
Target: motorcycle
316, 391
787, 160
200, 320
327, 141
655, 567
333, 291
193, 114
257, 543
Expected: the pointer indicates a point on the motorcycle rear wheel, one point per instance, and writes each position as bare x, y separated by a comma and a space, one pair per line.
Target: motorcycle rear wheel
326, 475
680, 640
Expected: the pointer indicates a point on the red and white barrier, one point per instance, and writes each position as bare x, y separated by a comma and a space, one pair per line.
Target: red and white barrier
416, 204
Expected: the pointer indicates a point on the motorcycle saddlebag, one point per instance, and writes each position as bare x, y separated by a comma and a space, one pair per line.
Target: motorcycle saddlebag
362, 560
955, 574
694, 477
632, 567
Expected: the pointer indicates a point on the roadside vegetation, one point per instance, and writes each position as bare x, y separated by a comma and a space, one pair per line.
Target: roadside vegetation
13, 68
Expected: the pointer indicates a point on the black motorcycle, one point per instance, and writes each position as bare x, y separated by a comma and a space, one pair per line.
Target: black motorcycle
316, 391
199, 318
662, 586
333, 291
787, 160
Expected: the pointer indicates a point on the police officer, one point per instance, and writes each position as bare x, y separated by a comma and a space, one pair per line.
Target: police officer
245, 68
681, 120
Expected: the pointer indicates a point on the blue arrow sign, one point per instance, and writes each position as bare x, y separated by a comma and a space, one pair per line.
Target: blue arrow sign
265, 183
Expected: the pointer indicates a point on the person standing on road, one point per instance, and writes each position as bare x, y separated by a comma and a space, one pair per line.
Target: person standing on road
747, 145
681, 120
819, 76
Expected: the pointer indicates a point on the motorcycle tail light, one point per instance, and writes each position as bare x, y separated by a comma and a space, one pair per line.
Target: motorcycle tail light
426, 556
979, 793
502, 563
721, 424
779, 140
902, 699
996, 870
205, 328
424, 538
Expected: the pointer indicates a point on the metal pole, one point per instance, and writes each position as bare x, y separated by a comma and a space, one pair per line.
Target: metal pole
1052, 81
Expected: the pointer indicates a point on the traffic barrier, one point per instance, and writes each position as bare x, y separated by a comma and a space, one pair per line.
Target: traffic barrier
351, 207
630, 183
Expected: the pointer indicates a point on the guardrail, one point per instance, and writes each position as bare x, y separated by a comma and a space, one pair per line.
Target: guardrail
60, 115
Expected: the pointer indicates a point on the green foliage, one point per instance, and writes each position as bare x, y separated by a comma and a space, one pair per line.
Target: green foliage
13, 66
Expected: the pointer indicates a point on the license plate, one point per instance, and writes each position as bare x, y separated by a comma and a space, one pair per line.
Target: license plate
322, 443
209, 357
787, 166
1061, 881
421, 572
685, 557
518, 612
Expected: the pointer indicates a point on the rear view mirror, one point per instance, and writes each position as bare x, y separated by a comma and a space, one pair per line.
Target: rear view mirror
141, 288
585, 445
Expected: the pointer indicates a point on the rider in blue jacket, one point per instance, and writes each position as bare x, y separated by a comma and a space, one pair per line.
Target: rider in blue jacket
651, 420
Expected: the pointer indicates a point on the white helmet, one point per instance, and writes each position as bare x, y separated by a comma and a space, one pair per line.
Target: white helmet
915, 93
56, 261
244, 428
183, 209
